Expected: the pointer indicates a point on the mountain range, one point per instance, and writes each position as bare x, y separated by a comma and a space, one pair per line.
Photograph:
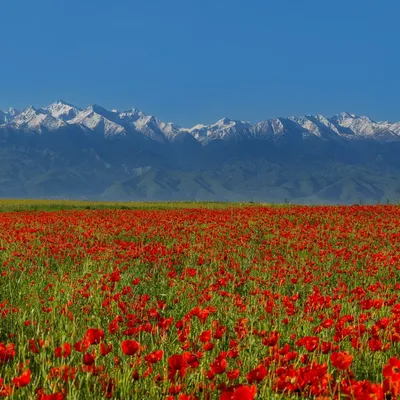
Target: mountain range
62, 151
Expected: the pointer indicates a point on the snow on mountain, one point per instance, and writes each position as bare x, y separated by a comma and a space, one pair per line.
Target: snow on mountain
170, 129
132, 115
316, 126
12, 113
353, 126
277, 126
35, 120
343, 126
358, 125
395, 128
224, 129
8, 116
112, 123
324, 123
263, 129
62, 110
194, 128
149, 126
310, 128
198, 131
100, 120
272, 129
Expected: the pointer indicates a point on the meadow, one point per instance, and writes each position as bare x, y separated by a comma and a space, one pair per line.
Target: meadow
199, 301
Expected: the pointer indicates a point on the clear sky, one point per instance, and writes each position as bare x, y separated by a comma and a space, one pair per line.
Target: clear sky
195, 61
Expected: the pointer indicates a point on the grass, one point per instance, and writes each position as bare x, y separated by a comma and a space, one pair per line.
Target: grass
10, 205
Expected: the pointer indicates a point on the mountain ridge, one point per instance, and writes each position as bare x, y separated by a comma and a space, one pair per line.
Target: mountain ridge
61, 150
114, 122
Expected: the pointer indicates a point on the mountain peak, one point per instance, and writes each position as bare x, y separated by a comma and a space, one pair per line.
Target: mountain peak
98, 109
224, 122
30, 109
64, 103
345, 115
132, 115
99, 119
62, 110
35, 119
344, 125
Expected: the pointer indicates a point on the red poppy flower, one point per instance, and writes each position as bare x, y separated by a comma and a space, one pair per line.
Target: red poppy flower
113, 326
7, 352
271, 340
89, 358
93, 336
176, 363
184, 396
205, 336
23, 379
391, 387
341, 360
309, 342
392, 369
219, 332
63, 351
208, 346
175, 389
5, 390
219, 365
81, 346
154, 357
105, 349
179, 363
239, 393
257, 374
234, 374
40, 395
326, 347
375, 344
130, 347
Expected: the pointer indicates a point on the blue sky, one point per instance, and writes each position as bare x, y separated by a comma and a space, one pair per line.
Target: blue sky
195, 61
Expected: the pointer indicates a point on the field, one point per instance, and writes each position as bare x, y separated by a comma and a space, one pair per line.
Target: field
199, 301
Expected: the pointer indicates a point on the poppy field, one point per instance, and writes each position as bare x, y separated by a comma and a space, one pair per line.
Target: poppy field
231, 303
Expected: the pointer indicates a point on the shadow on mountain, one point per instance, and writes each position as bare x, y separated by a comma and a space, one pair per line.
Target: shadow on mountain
75, 162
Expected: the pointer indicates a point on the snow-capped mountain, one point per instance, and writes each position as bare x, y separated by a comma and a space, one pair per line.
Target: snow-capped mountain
112, 123
224, 129
100, 120
62, 110
35, 120
149, 126
343, 126
351, 126
63, 150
